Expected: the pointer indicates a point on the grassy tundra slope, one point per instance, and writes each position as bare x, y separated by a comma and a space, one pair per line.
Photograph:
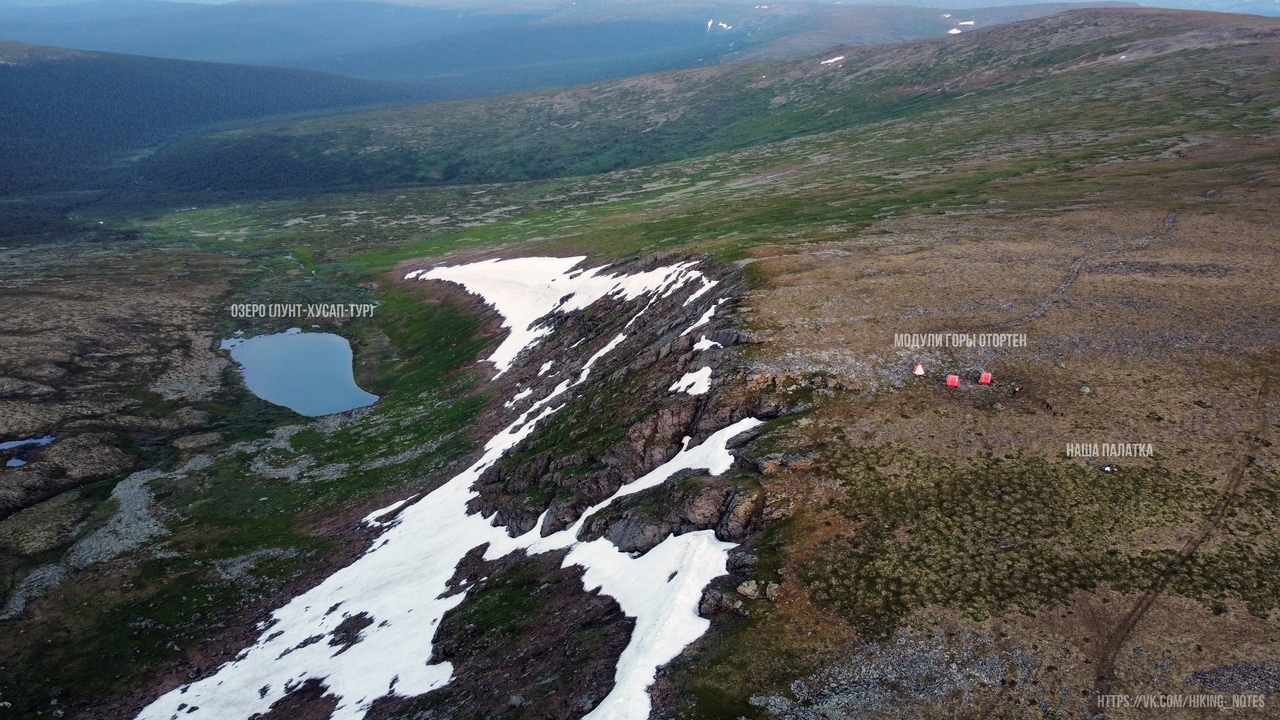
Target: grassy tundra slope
1102, 181
659, 118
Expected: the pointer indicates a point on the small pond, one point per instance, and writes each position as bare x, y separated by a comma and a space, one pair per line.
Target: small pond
309, 373
18, 460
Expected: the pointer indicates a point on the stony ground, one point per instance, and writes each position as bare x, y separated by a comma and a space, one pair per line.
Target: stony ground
108, 348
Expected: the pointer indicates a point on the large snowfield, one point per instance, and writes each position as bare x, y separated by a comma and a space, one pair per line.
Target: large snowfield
400, 582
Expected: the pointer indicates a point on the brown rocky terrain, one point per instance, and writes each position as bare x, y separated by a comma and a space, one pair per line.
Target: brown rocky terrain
100, 347
1149, 311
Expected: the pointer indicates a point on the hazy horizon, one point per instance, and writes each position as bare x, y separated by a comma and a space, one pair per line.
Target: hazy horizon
1264, 7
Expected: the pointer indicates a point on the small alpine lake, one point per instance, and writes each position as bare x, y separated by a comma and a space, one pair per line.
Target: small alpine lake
309, 373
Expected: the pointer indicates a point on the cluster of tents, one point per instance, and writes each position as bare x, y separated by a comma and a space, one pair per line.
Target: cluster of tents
953, 380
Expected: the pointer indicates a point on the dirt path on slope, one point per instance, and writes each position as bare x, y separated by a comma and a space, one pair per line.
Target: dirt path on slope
1115, 640
1166, 227
1074, 272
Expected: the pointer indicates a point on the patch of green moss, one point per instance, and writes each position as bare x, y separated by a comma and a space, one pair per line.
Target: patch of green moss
990, 535
506, 606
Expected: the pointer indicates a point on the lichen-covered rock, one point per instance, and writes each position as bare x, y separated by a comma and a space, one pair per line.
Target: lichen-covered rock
66, 464
92, 456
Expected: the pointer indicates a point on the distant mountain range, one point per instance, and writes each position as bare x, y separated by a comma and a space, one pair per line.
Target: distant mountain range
74, 119
1253, 7
488, 47
513, 58
485, 47
242, 32
658, 118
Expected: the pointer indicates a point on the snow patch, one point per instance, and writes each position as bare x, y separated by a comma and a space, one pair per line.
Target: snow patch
837, 58
518, 397
666, 613
706, 318
526, 290
586, 367
694, 383
707, 284
705, 344
374, 518
30, 442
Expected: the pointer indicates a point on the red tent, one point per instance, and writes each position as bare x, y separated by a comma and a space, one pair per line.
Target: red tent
985, 378
953, 381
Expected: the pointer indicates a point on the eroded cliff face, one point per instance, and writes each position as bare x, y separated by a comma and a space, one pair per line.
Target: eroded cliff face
627, 422
586, 545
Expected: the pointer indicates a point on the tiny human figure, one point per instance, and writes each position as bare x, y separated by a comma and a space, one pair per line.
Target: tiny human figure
1017, 389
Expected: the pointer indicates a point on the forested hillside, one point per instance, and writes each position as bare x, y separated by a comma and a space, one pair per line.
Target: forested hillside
253, 33
67, 113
